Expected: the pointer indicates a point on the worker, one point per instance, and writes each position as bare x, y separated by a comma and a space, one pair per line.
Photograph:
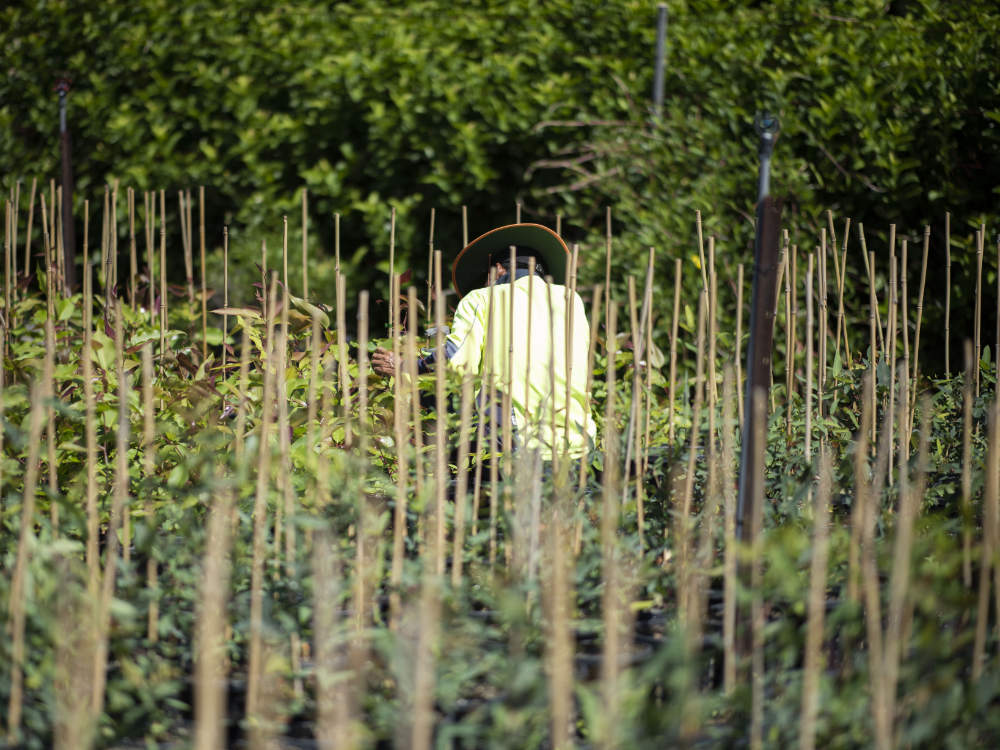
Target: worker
530, 335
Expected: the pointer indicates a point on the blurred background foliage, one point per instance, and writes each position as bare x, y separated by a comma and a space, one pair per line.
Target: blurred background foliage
890, 113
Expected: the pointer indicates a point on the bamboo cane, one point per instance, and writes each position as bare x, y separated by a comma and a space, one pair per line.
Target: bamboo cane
978, 323
713, 332
13, 239
149, 469
225, 297
738, 344
821, 338
920, 317
607, 268
841, 320
440, 456
345, 393
947, 294
334, 720
210, 665
729, 536
264, 311
809, 358
872, 325
399, 422
132, 256
15, 699
595, 314
204, 288
393, 293
430, 266
557, 590
966, 478
118, 506
674, 321
987, 558
757, 635
255, 662
701, 250
150, 227
461, 486
817, 606
891, 321
27, 234
163, 285
789, 346
904, 299
305, 243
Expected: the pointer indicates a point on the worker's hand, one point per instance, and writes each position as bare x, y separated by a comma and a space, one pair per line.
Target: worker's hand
382, 362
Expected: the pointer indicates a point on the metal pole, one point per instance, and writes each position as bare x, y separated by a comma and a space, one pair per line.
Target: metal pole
758, 367
69, 233
661, 53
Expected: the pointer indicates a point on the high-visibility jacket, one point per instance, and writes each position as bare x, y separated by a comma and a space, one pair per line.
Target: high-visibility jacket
532, 339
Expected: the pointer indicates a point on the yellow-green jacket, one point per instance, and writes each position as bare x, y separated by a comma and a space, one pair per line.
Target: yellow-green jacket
506, 331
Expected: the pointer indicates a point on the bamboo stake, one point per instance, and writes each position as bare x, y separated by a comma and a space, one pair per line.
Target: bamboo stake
870, 270
461, 486
225, 296
255, 662
150, 228
996, 341
210, 664
683, 533
920, 317
133, 258
424, 682
118, 507
27, 234
987, 559
264, 311
50, 430
891, 314
904, 300
86, 362
738, 344
809, 358
393, 294
430, 265
595, 314
713, 331
305, 243
59, 250
794, 326
345, 393
902, 553
465, 226
204, 288
671, 394
163, 285
7, 299
841, 321
607, 268
413, 397
821, 339
611, 573
558, 600
284, 450
18, 579
363, 588
491, 376
817, 606
440, 456
872, 325
729, 553
400, 410
947, 293
334, 720
701, 250
184, 204
978, 324
148, 470
967, 467
13, 238
789, 350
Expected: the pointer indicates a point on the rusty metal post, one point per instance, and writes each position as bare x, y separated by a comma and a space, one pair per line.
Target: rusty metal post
69, 232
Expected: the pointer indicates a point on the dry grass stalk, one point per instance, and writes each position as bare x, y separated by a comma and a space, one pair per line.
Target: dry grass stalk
947, 293
119, 505
461, 485
967, 522
148, 471
988, 549
557, 597
210, 662
817, 605
978, 323
255, 658
729, 533
16, 598
674, 322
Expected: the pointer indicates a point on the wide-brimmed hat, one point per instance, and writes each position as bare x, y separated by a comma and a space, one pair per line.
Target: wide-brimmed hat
472, 263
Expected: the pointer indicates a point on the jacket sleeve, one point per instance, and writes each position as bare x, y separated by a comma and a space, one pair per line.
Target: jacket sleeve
467, 339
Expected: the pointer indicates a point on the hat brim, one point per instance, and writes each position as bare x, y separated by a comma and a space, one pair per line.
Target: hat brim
472, 264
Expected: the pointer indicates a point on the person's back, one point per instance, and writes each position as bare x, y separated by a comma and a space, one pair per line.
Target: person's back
531, 338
